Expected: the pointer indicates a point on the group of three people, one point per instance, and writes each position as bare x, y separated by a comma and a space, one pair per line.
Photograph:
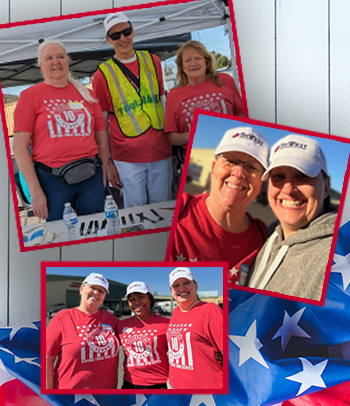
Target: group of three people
185, 352
121, 126
291, 257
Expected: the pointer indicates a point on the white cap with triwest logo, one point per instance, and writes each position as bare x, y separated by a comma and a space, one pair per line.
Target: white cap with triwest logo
299, 152
180, 272
96, 279
113, 19
247, 140
137, 286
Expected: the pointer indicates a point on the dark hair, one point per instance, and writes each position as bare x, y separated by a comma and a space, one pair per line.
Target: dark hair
151, 299
327, 205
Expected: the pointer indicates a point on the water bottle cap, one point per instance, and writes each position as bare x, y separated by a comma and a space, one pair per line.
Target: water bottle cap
67, 204
109, 197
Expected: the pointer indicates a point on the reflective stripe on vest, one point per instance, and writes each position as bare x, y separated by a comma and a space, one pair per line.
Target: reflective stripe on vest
135, 111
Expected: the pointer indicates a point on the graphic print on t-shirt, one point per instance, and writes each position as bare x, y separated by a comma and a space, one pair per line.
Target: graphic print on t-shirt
67, 118
212, 102
98, 342
141, 346
180, 348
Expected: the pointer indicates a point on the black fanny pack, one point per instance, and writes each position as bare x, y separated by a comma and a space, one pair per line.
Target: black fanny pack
73, 172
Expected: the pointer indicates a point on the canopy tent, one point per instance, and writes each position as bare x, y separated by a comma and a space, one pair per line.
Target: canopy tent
84, 37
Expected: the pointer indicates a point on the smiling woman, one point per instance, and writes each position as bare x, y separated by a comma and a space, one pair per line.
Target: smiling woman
293, 260
81, 345
195, 336
143, 338
216, 226
62, 123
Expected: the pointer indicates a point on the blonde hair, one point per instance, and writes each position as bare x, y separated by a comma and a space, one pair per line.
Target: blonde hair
84, 92
210, 73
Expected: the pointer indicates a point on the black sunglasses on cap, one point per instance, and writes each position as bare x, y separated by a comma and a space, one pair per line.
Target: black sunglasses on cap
116, 35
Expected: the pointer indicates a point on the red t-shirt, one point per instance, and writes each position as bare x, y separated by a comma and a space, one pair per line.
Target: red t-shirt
193, 339
151, 146
199, 238
87, 349
61, 122
145, 346
182, 102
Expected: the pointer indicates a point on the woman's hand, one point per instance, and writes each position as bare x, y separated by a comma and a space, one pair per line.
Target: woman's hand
39, 203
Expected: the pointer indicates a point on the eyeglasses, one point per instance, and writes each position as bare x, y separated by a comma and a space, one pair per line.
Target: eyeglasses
95, 288
250, 167
116, 35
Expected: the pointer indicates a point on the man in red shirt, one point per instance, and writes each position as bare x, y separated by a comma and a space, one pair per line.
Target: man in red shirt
130, 89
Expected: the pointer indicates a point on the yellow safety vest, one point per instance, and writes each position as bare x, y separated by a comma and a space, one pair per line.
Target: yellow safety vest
135, 111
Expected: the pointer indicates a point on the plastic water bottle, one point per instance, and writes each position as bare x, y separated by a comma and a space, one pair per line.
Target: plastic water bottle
112, 216
70, 220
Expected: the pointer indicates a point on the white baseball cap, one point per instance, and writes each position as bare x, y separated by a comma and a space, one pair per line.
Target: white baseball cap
96, 279
180, 272
299, 152
113, 19
247, 140
137, 286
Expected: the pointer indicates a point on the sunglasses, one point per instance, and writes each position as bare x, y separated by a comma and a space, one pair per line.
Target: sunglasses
116, 35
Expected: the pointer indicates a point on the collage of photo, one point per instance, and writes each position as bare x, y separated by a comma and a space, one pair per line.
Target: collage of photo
171, 237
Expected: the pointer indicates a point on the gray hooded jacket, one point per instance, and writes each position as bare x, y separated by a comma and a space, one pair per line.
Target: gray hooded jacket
302, 261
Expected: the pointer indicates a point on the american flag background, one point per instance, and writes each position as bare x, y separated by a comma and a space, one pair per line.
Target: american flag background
282, 352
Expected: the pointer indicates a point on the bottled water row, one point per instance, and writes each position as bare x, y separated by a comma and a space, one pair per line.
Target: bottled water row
70, 218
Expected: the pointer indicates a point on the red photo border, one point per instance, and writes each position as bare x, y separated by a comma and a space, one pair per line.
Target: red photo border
6, 136
72, 264
292, 130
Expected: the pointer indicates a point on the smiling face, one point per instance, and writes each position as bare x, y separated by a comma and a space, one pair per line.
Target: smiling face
123, 47
295, 198
232, 186
194, 66
92, 297
140, 304
184, 292
54, 64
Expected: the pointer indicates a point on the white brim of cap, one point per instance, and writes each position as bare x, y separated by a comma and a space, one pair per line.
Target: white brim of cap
178, 277
307, 167
144, 291
241, 148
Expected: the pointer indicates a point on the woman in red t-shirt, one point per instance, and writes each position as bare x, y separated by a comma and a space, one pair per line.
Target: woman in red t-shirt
195, 337
83, 342
199, 86
62, 122
143, 338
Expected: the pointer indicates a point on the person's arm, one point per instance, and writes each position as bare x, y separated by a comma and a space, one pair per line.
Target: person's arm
176, 138
50, 359
109, 170
21, 142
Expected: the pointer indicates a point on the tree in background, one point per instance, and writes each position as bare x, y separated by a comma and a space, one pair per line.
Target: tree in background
222, 61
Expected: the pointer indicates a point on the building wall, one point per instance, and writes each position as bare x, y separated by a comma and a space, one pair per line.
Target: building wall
294, 55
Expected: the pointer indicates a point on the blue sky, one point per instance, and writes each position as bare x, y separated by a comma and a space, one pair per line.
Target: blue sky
157, 278
210, 130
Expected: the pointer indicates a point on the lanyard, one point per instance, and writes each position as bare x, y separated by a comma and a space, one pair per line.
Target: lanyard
275, 264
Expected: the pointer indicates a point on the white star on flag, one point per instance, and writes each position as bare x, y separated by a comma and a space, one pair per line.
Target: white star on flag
28, 360
140, 400
290, 328
88, 398
14, 330
207, 400
309, 376
249, 346
4, 375
342, 266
